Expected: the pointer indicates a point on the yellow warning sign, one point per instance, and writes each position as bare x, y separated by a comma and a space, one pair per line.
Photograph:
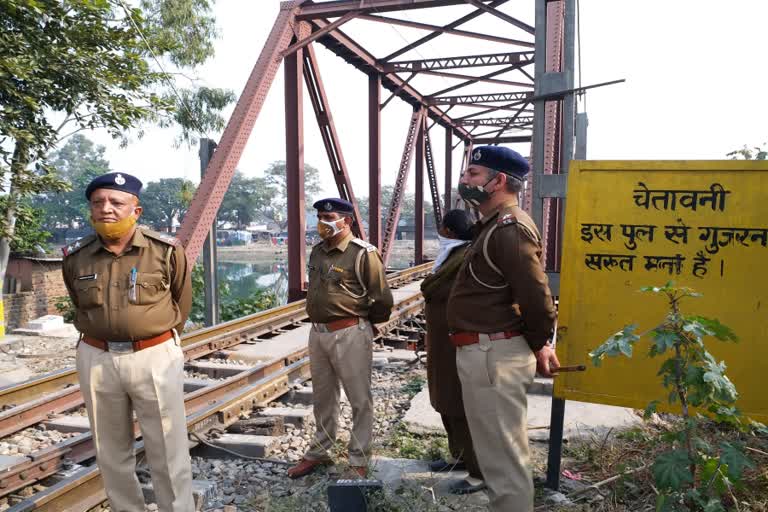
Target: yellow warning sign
629, 224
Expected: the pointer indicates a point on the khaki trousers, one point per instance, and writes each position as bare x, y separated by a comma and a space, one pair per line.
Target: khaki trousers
345, 355
495, 376
151, 382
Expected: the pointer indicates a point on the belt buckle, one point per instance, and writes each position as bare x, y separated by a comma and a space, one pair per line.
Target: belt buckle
120, 347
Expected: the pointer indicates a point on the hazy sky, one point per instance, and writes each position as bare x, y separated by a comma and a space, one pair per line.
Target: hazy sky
695, 74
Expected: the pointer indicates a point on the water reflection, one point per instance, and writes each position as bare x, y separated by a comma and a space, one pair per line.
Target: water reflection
245, 278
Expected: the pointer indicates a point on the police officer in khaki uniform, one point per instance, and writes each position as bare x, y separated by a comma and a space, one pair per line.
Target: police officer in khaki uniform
347, 292
501, 316
132, 294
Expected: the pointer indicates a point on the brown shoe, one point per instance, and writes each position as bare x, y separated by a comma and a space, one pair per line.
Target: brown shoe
305, 467
362, 471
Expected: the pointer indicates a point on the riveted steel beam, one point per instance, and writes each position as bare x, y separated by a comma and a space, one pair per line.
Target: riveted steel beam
465, 61
205, 204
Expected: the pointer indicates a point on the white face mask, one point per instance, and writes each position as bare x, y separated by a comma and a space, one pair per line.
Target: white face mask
332, 225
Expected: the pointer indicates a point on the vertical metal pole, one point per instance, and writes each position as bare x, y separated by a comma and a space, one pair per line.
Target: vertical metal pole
537, 149
448, 169
374, 159
582, 122
210, 261
557, 419
294, 170
418, 256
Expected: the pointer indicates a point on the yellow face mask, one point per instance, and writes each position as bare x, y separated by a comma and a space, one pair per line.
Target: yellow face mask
114, 230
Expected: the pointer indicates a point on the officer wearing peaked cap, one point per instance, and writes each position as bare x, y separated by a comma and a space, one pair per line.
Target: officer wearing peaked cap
501, 316
347, 292
132, 295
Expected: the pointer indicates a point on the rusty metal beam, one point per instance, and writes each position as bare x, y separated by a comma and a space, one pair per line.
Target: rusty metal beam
464, 61
433, 35
418, 220
311, 11
293, 66
429, 161
393, 214
455, 32
475, 79
504, 139
322, 109
448, 170
479, 78
204, 206
374, 159
506, 17
479, 98
397, 91
512, 122
345, 47
317, 34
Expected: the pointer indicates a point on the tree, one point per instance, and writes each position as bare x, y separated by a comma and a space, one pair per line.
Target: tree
246, 200
166, 200
407, 206
77, 163
277, 211
72, 65
749, 153
31, 237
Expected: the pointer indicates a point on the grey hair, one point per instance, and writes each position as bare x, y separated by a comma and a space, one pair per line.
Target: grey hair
514, 185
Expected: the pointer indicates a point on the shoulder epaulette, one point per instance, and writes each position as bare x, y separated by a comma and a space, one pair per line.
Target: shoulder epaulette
365, 245
72, 248
162, 237
505, 220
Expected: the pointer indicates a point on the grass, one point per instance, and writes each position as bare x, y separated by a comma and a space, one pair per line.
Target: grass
599, 458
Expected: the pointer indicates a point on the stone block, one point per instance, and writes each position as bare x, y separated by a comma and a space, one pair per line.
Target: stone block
299, 417
203, 493
242, 444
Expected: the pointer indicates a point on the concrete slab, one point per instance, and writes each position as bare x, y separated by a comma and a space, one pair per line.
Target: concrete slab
203, 492
8, 461
541, 386
242, 444
13, 374
421, 418
45, 323
281, 345
395, 473
193, 384
302, 396
68, 424
581, 419
298, 417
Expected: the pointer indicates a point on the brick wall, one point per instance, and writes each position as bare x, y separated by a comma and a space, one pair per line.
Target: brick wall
47, 286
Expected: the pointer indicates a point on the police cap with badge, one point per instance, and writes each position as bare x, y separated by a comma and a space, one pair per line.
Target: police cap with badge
115, 181
501, 159
334, 204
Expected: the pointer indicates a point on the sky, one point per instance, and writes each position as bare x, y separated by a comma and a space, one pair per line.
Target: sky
695, 81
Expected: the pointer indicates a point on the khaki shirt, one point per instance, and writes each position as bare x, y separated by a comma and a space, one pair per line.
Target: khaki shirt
98, 282
347, 280
514, 298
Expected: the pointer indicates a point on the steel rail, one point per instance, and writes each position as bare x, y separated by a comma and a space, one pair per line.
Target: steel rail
21, 403
213, 407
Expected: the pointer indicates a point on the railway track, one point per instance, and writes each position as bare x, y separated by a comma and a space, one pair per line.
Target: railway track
215, 406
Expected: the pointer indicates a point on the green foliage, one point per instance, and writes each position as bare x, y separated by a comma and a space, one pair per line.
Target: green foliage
276, 209
749, 153
67, 66
229, 307
166, 200
29, 237
77, 163
245, 200
413, 386
691, 474
66, 308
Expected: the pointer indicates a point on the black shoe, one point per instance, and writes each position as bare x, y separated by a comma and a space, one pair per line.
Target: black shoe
440, 466
464, 487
